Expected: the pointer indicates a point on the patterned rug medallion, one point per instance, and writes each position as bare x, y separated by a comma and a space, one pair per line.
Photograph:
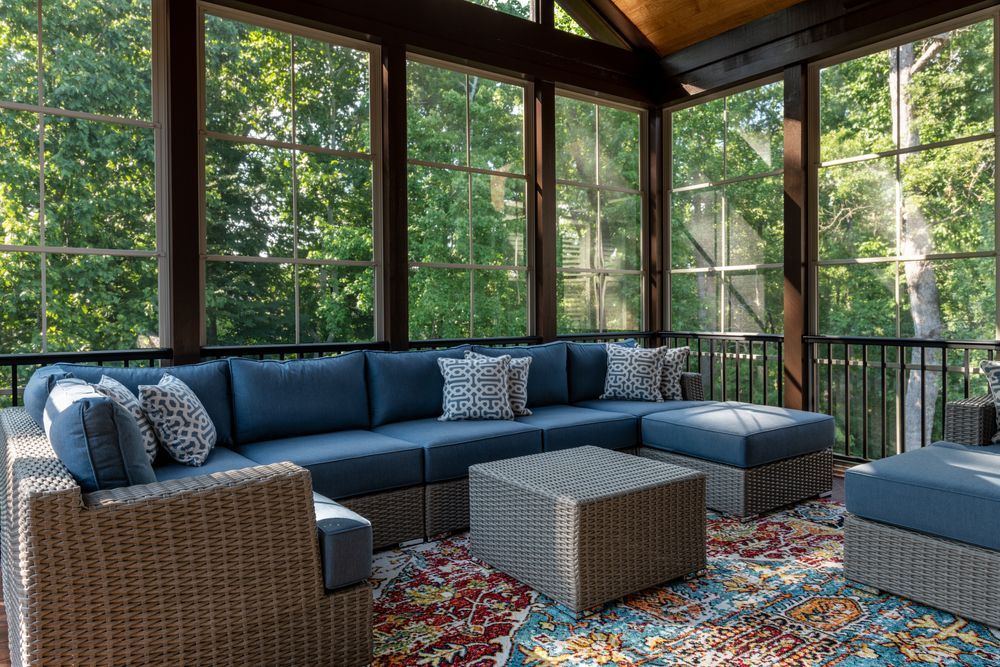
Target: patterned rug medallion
773, 594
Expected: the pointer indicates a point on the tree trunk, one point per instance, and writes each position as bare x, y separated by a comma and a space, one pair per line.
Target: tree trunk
915, 240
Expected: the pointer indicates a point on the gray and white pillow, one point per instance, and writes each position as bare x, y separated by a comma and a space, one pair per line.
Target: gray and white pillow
634, 374
121, 395
517, 381
475, 389
991, 369
179, 419
673, 363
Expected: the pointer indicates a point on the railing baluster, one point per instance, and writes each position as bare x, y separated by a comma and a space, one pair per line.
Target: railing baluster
864, 401
781, 374
885, 406
13, 385
923, 396
944, 390
847, 399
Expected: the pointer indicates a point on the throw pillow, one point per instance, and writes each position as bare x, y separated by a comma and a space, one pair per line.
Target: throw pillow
121, 395
95, 438
991, 369
674, 362
475, 389
517, 381
179, 419
633, 374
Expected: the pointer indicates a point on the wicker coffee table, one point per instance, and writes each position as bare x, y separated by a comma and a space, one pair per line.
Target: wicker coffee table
588, 525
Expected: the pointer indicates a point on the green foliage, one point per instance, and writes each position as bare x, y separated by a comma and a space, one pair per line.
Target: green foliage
566, 23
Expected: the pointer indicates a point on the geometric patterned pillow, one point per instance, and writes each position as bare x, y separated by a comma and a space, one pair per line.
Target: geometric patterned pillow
475, 389
674, 363
517, 381
180, 420
991, 369
120, 394
633, 374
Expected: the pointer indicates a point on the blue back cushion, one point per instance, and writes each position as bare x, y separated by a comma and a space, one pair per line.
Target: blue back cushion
588, 366
208, 380
36, 393
281, 399
407, 385
99, 443
547, 380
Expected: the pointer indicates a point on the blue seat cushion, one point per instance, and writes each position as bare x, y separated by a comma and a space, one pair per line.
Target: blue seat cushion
219, 460
638, 408
449, 448
281, 399
95, 438
406, 385
346, 463
588, 366
566, 426
209, 381
345, 543
547, 376
948, 491
738, 434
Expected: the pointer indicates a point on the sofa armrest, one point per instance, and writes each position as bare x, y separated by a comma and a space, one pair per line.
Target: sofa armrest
692, 388
972, 421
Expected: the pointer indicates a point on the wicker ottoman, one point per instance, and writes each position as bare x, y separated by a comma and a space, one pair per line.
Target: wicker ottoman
588, 525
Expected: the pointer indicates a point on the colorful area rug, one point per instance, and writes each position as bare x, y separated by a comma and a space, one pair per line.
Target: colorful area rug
773, 594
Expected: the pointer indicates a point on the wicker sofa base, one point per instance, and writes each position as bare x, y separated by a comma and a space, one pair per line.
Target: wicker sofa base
446, 507
745, 492
956, 577
397, 516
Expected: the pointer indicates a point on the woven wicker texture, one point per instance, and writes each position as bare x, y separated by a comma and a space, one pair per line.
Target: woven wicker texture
220, 569
396, 516
956, 577
588, 525
743, 492
972, 421
692, 387
447, 507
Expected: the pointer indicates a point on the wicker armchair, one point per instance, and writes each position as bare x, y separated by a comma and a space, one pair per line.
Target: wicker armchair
220, 569
972, 421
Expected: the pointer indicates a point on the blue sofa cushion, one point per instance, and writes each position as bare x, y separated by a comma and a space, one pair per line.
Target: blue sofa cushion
948, 491
281, 399
548, 382
36, 392
449, 448
588, 367
95, 438
406, 385
219, 460
638, 408
345, 543
566, 426
346, 463
738, 434
209, 381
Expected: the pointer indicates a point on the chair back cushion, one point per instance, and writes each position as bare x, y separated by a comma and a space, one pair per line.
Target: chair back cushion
588, 366
95, 438
36, 392
283, 399
120, 394
548, 383
406, 385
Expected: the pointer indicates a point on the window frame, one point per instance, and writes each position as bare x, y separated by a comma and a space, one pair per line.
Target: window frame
816, 164
643, 193
528, 177
720, 270
374, 157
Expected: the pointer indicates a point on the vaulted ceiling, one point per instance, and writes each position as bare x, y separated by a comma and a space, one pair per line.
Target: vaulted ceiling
671, 25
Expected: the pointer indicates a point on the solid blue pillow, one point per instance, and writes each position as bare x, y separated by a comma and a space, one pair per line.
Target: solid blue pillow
588, 367
282, 399
36, 392
407, 385
547, 378
96, 439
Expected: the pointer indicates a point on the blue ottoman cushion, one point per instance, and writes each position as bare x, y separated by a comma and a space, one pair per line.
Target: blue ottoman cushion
738, 434
951, 491
449, 448
547, 378
638, 408
567, 426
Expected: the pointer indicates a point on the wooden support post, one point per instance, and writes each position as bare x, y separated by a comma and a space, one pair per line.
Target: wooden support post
545, 210
395, 250
655, 248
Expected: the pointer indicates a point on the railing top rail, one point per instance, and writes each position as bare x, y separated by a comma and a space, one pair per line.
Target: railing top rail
743, 337
32, 359
904, 342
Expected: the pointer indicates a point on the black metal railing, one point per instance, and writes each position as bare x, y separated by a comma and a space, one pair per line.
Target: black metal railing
16, 369
888, 395
737, 367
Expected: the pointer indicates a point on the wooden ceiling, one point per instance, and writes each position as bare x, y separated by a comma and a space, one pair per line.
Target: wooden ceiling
672, 25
